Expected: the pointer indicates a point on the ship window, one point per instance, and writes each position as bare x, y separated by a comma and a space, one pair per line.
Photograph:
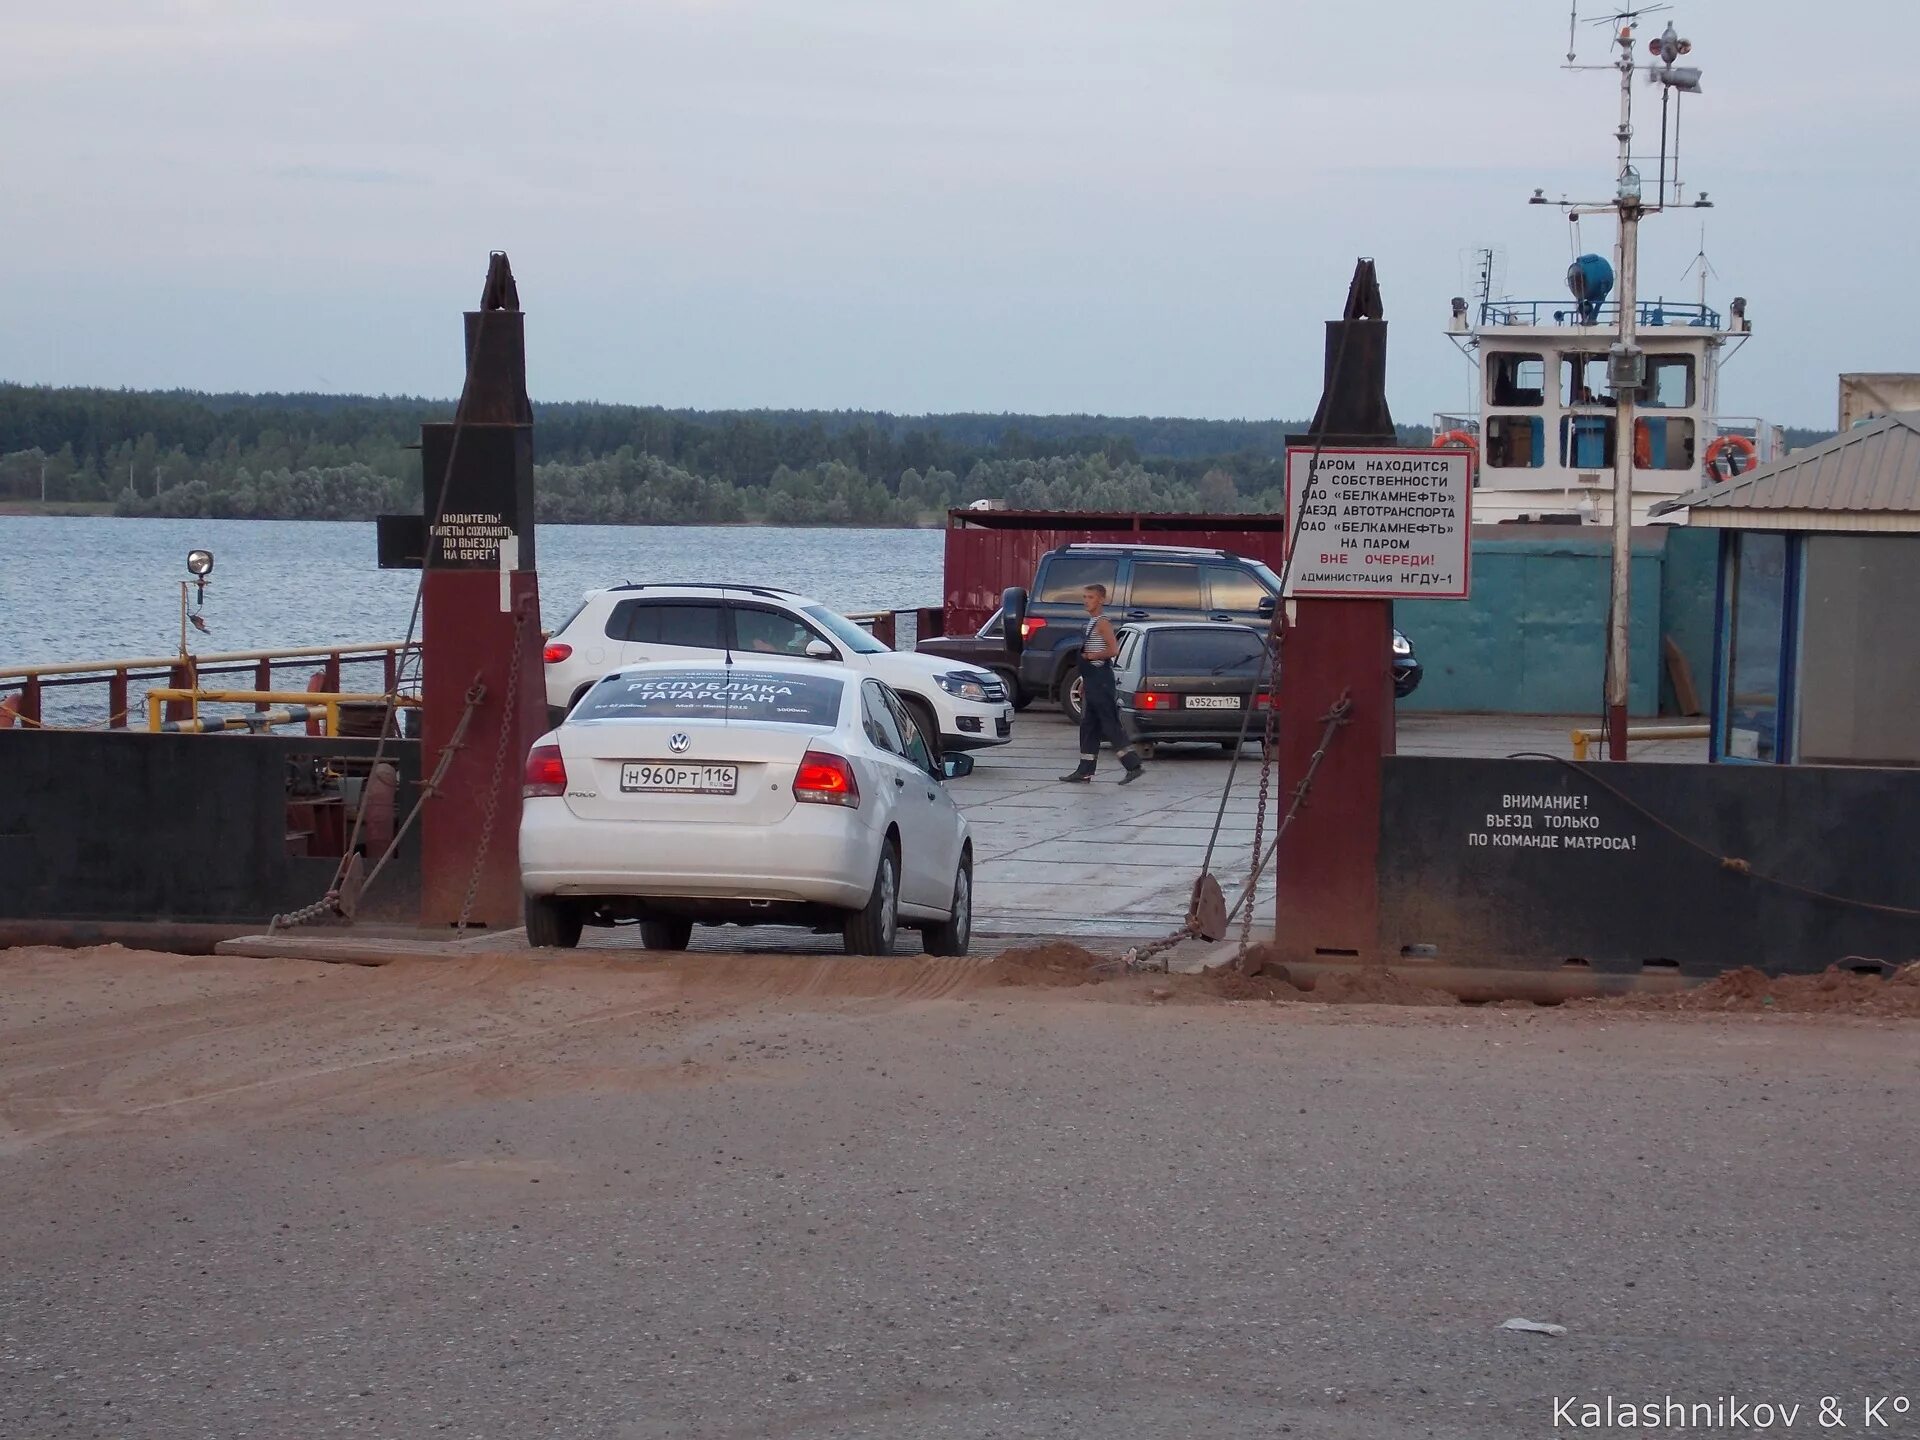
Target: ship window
1515, 442
1516, 378
1583, 380
1669, 382
1660, 443
1586, 441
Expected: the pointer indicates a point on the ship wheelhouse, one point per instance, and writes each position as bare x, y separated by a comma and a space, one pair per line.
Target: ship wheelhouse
1547, 431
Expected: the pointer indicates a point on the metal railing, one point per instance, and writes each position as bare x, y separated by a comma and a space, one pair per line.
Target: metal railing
23, 688
1653, 314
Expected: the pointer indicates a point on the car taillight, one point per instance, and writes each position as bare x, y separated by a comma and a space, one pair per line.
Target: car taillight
546, 773
825, 779
1263, 701
1027, 627
556, 652
1155, 700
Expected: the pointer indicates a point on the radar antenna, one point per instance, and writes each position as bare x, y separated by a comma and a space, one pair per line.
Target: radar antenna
1702, 264
1487, 271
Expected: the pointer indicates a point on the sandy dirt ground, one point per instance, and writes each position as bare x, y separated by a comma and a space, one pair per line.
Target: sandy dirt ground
812, 1197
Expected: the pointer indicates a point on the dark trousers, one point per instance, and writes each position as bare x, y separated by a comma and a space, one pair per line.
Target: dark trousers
1100, 715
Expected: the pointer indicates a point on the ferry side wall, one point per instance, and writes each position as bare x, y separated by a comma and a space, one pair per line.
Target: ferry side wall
127, 826
1532, 639
1532, 864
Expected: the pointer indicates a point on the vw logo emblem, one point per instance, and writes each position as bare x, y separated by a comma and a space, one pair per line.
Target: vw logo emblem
678, 744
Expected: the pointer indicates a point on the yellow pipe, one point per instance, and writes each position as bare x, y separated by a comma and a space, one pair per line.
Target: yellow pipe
330, 701
1583, 738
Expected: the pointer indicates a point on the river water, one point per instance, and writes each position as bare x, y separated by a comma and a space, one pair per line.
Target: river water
81, 588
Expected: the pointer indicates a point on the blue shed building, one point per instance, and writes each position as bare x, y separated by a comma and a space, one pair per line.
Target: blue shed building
1817, 650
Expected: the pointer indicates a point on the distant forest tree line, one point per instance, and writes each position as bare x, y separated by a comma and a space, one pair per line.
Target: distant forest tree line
350, 457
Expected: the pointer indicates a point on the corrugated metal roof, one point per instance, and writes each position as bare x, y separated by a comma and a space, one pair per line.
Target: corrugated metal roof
1871, 470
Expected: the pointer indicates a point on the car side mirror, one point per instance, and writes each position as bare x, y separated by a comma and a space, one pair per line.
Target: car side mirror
1013, 615
956, 767
819, 650
1266, 607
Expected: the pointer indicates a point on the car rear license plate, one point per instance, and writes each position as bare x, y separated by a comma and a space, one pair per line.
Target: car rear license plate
1213, 702
649, 777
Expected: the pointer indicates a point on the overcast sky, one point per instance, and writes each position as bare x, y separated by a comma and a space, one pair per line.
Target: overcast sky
1125, 206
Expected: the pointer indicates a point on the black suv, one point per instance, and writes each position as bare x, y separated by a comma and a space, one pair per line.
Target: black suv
1147, 582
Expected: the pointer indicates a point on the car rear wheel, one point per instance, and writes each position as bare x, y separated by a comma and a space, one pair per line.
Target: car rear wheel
870, 929
666, 934
1073, 697
956, 934
1232, 747
554, 924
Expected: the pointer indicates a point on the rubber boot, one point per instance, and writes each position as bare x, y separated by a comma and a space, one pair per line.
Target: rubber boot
1081, 775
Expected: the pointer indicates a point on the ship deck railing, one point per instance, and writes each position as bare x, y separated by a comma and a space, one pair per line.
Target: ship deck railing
24, 688
1653, 314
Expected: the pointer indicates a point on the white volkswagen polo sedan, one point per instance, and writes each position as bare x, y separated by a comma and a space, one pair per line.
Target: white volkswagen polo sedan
764, 793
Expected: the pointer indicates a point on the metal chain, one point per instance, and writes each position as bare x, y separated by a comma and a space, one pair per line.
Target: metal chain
1333, 720
1143, 957
329, 903
509, 701
456, 742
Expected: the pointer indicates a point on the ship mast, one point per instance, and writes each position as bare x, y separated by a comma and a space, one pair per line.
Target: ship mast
1626, 364
1626, 369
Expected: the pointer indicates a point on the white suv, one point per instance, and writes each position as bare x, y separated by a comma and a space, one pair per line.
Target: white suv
631, 624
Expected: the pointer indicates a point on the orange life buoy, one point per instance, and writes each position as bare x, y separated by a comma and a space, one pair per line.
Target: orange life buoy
1459, 439
1719, 447
317, 723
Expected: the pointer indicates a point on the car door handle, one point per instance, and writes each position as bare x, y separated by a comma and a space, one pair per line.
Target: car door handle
1220, 617
1136, 614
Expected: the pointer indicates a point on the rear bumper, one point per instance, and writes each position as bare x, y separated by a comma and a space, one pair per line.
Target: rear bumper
1192, 724
817, 854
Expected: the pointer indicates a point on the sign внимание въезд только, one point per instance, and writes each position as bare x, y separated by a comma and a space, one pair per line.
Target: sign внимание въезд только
1380, 524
